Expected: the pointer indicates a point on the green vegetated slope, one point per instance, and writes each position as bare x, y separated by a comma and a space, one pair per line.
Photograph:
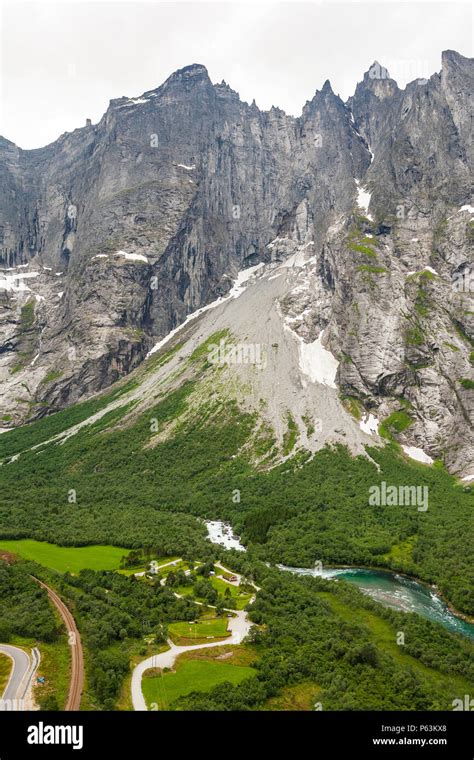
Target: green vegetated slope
143, 483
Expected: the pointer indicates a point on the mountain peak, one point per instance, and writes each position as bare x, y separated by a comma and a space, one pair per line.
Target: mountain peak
377, 72
194, 69
455, 62
192, 74
327, 89
452, 56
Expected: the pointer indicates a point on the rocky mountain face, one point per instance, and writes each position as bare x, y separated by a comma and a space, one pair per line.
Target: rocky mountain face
113, 234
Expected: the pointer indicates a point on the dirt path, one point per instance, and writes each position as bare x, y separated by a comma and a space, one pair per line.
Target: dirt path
77, 657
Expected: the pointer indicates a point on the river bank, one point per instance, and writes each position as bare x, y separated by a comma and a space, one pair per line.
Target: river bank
395, 590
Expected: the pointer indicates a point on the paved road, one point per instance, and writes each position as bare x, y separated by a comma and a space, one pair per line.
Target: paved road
239, 627
77, 657
24, 668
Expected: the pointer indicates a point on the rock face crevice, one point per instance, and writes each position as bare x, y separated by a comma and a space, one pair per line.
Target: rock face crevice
113, 234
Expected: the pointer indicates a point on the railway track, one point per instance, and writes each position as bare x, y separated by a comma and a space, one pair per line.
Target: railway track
77, 657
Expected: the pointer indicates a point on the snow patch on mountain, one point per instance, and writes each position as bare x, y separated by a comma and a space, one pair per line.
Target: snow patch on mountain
317, 362
14, 282
363, 199
369, 424
416, 453
132, 256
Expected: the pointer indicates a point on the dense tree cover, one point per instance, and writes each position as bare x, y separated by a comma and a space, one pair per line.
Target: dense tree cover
24, 607
112, 607
133, 490
298, 637
301, 639
121, 493
425, 640
320, 512
112, 612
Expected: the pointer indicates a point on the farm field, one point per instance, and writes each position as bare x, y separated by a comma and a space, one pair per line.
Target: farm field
192, 675
64, 559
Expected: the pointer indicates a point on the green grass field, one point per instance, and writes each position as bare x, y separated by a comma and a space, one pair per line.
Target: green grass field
181, 565
241, 598
193, 675
66, 558
5, 668
216, 627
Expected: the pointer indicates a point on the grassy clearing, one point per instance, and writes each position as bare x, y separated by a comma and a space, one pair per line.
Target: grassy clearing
401, 554
235, 654
144, 566
397, 422
188, 633
192, 675
66, 558
240, 597
164, 571
301, 696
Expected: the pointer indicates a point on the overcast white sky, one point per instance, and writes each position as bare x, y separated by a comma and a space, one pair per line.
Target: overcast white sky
62, 62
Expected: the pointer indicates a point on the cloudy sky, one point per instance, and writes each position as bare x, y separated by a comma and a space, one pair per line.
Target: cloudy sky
62, 62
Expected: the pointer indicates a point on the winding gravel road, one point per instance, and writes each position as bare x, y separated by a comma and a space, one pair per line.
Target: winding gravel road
239, 627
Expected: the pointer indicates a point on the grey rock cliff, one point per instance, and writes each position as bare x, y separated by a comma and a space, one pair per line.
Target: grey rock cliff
110, 236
